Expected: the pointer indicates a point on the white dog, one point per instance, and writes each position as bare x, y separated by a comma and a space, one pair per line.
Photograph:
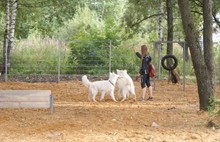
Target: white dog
103, 86
125, 85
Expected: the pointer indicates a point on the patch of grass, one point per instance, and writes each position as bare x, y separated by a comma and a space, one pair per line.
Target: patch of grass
36, 57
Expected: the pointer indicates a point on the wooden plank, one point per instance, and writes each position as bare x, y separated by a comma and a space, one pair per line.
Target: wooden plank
9, 105
25, 95
26, 99
35, 105
26, 92
24, 105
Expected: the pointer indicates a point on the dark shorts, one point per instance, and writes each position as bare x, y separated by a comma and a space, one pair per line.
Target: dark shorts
145, 80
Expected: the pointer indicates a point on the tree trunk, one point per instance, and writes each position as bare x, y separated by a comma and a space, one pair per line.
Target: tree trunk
176, 77
160, 31
207, 39
203, 77
6, 36
169, 4
12, 29
170, 26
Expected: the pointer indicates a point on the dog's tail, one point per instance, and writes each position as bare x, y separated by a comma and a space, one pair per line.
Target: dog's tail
85, 81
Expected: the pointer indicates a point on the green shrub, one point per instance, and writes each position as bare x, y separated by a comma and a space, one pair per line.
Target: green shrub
38, 56
214, 106
88, 57
125, 59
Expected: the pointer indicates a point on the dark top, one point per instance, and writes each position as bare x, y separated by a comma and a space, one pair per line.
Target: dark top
144, 63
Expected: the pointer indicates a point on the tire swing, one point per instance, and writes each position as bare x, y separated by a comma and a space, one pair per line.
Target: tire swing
166, 57
171, 68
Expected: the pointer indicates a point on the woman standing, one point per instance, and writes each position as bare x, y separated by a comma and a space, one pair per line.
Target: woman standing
144, 73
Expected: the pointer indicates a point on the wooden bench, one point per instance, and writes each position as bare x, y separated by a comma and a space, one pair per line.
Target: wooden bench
26, 99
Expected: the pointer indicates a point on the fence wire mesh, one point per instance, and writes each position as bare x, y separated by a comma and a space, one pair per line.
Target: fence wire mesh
53, 60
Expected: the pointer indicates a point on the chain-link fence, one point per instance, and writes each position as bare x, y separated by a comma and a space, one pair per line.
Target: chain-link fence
53, 60
85, 57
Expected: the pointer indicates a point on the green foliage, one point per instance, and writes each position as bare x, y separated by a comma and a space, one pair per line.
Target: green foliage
89, 57
45, 16
2, 25
89, 41
214, 106
85, 24
88, 26
86, 54
141, 16
215, 12
106, 8
217, 61
35, 56
125, 58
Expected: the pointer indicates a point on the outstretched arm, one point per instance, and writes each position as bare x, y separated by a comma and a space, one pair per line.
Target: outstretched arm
138, 54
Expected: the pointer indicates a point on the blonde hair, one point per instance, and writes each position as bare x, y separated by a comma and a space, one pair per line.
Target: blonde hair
144, 51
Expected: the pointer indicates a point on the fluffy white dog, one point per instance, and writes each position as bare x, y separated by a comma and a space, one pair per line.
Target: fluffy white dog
103, 86
125, 85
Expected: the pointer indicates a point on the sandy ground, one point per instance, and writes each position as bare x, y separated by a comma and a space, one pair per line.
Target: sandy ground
175, 113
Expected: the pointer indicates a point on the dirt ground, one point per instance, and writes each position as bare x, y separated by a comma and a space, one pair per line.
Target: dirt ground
173, 116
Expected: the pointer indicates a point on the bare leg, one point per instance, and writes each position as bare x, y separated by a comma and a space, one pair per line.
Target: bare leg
143, 92
150, 91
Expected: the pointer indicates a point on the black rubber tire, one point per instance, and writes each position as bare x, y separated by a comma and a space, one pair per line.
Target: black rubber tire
172, 67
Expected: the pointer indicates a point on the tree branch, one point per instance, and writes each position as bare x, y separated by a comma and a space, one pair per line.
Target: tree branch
197, 2
145, 18
197, 12
217, 21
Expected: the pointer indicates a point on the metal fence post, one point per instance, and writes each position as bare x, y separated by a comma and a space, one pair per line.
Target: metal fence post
51, 103
58, 62
159, 56
110, 55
